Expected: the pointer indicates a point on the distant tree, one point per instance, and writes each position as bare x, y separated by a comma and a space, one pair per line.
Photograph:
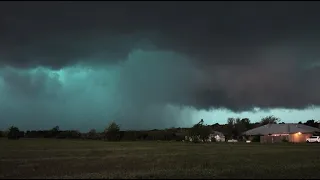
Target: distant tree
13, 133
312, 123
74, 134
56, 128
246, 123
21, 134
92, 134
112, 132
1, 134
299, 122
205, 132
230, 126
241, 126
236, 126
269, 120
215, 125
200, 130
54, 131
113, 127
231, 121
193, 133
173, 129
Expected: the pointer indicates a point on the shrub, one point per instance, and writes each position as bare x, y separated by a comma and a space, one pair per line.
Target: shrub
256, 139
213, 139
92, 134
14, 133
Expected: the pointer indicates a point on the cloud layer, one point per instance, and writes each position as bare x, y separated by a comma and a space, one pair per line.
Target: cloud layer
135, 59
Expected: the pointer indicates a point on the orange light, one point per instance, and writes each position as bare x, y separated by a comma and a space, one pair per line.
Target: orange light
299, 133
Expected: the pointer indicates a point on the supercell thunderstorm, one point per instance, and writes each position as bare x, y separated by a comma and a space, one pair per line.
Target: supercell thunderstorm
153, 65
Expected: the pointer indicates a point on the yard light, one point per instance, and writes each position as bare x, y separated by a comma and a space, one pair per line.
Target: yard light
299, 133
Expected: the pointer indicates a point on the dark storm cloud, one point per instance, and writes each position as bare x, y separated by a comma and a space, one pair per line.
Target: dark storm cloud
244, 54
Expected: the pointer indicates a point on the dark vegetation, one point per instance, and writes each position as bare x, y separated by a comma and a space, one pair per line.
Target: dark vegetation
233, 129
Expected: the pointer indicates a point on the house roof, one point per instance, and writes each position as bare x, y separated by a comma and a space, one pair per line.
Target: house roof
281, 129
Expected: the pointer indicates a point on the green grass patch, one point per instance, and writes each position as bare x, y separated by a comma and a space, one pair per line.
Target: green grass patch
52, 158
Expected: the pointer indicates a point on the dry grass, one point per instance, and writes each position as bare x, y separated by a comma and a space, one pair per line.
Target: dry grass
44, 158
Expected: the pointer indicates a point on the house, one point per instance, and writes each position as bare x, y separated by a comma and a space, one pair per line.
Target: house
291, 132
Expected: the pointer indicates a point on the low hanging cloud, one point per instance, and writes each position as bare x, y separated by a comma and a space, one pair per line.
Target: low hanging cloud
136, 62
137, 93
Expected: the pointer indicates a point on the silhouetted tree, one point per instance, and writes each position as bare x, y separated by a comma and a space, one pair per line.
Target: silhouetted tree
14, 133
246, 122
52, 133
269, 120
55, 131
216, 125
92, 134
236, 126
112, 132
312, 123
75, 134
205, 132
230, 127
200, 131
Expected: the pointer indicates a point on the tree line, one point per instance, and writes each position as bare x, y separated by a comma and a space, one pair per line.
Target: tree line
233, 129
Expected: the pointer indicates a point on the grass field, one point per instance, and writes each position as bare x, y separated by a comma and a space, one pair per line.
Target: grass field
51, 158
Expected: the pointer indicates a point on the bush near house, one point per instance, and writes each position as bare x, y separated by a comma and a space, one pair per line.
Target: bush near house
213, 139
256, 138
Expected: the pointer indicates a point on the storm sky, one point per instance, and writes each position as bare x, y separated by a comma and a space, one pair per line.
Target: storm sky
148, 65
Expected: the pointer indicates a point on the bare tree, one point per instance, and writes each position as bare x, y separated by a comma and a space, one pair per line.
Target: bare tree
269, 120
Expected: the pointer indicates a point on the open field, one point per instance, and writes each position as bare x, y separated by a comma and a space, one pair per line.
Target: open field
51, 158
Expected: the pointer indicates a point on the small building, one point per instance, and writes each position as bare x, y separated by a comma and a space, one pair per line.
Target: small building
216, 136
272, 133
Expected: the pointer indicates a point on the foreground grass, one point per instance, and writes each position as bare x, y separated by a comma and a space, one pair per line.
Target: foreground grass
50, 158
